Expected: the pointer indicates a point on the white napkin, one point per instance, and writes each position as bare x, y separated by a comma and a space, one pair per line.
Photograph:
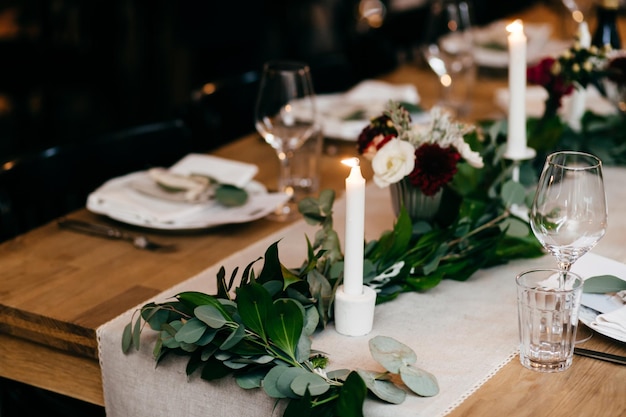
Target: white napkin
369, 97
225, 171
537, 95
612, 324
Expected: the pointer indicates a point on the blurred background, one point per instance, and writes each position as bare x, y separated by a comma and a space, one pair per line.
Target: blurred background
72, 70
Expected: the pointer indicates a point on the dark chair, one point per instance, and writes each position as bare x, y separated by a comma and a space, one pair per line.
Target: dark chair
223, 109
37, 188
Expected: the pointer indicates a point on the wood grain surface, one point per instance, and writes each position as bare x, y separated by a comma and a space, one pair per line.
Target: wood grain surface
57, 287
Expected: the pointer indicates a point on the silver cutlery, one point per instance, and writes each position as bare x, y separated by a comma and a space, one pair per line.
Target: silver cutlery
102, 230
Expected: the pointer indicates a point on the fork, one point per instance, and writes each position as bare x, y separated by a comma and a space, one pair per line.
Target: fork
95, 229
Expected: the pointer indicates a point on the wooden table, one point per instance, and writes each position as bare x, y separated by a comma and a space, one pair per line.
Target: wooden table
57, 287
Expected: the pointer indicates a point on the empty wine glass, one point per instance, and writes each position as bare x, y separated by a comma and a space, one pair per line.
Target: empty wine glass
448, 50
569, 212
286, 117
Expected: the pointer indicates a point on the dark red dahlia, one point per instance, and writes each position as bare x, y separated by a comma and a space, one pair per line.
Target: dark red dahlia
434, 167
378, 126
556, 85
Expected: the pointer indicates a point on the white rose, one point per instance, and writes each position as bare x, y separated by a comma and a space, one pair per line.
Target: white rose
394, 161
472, 158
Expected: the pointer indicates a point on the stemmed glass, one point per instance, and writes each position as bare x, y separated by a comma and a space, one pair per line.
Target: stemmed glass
448, 50
286, 117
569, 212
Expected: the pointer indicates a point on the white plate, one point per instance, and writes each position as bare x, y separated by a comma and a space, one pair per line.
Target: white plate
592, 265
118, 200
367, 99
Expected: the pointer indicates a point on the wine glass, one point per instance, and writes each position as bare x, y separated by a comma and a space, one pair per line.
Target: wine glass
286, 117
569, 212
448, 50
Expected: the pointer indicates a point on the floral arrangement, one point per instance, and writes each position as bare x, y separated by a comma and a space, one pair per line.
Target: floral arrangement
427, 155
260, 331
575, 68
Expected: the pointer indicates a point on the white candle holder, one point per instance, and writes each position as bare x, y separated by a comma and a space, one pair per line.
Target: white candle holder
517, 158
354, 314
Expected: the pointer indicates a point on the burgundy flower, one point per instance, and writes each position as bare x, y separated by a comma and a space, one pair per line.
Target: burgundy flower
378, 126
617, 70
555, 84
434, 167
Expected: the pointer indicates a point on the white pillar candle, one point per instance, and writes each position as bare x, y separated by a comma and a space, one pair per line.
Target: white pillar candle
516, 142
355, 223
584, 37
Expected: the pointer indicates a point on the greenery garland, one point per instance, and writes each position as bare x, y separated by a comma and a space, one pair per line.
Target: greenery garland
262, 335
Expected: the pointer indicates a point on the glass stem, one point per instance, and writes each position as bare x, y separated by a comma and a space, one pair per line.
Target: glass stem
564, 267
284, 180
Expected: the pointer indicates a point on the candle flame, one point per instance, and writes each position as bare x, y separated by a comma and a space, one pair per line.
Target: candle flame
351, 162
515, 27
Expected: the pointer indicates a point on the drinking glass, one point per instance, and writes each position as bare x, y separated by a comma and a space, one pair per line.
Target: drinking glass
286, 117
569, 212
448, 50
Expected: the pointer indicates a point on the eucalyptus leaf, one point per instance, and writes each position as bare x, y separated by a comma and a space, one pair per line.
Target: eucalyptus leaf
286, 378
513, 193
514, 227
250, 380
127, 337
603, 284
230, 195
210, 315
191, 331
338, 374
270, 382
390, 353
385, 390
313, 382
137, 333
235, 337
419, 381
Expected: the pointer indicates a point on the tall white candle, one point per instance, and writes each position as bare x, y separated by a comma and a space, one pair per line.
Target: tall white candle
516, 142
355, 223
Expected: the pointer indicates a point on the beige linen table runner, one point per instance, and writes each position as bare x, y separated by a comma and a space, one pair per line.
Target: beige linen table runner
462, 332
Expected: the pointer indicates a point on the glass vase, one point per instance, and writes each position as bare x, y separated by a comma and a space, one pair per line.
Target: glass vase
418, 205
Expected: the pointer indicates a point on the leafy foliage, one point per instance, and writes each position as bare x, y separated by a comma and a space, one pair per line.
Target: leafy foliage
258, 328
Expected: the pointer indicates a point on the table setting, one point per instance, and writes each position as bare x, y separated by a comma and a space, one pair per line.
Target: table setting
268, 311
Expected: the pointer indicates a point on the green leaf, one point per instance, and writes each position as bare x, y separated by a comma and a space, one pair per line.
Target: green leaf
390, 353
214, 369
254, 303
235, 337
351, 396
251, 380
127, 337
385, 390
284, 381
313, 382
419, 381
211, 315
137, 333
191, 331
272, 269
231, 196
603, 284
513, 193
270, 382
284, 325
194, 299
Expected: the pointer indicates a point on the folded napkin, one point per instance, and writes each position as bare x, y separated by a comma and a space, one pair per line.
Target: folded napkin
121, 199
344, 115
537, 95
612, 324
491, 48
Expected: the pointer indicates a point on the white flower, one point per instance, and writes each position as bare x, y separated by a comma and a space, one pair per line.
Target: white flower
392, 162
473, 158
